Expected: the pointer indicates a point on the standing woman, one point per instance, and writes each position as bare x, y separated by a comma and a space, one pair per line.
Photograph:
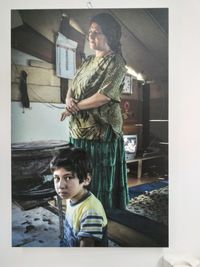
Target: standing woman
93, 104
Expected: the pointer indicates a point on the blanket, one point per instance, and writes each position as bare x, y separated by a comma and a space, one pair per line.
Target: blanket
153, 205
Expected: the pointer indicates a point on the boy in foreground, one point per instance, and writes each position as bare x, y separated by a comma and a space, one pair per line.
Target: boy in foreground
85, 222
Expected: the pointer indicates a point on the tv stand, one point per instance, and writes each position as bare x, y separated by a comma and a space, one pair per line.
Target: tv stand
140, 160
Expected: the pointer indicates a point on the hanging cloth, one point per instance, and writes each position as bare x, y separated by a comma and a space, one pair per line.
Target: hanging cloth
23, 89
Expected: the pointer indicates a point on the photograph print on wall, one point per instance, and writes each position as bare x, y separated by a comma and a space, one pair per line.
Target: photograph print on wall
78, 77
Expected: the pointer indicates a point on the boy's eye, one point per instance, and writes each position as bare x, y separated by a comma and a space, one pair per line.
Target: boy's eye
67, 178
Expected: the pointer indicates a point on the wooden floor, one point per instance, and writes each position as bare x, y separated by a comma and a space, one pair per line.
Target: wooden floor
143, 180
127, 237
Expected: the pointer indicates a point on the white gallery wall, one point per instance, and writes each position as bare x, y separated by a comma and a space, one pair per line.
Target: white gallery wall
184, 110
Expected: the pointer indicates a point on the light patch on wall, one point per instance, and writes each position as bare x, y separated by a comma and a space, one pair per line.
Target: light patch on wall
41, 122
131, 71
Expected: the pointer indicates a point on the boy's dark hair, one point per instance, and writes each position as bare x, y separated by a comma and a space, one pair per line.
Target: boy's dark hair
75, 160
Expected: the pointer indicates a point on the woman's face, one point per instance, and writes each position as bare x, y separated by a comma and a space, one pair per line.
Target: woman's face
97, 40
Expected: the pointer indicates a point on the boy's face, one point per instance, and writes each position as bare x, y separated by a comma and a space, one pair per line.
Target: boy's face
67, 184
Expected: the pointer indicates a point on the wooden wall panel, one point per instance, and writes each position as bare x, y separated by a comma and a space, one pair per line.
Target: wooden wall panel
159, 131
38, 76
159, 109
37, 93
26, 39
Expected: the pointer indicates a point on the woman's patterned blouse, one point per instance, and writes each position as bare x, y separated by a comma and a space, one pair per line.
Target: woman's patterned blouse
104, 75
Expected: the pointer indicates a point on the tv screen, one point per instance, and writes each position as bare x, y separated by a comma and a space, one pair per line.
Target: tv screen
130, 145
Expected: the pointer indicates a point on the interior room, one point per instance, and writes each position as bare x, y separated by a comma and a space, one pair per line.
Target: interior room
38, 91
184, 108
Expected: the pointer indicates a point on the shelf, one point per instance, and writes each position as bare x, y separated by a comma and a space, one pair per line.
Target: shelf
158, 120
144, 158
139, 160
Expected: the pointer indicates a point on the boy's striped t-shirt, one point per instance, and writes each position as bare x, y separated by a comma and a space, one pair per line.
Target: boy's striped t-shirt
85, 218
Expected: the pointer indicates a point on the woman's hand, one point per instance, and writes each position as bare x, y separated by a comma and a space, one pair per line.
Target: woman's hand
94, 101
71, 105
65, 114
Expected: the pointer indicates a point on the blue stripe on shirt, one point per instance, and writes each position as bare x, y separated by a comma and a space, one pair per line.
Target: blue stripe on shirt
92, 217
92, 224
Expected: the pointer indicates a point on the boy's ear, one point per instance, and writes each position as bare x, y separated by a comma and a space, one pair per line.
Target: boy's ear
87, 180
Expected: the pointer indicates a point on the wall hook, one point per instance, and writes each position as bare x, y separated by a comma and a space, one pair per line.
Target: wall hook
89, 4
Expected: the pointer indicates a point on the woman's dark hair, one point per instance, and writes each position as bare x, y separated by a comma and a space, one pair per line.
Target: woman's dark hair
75, 160
111, 29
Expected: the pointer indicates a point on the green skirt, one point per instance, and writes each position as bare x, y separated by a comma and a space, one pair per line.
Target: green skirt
109, 174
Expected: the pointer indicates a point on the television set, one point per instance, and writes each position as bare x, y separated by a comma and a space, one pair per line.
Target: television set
130, 145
